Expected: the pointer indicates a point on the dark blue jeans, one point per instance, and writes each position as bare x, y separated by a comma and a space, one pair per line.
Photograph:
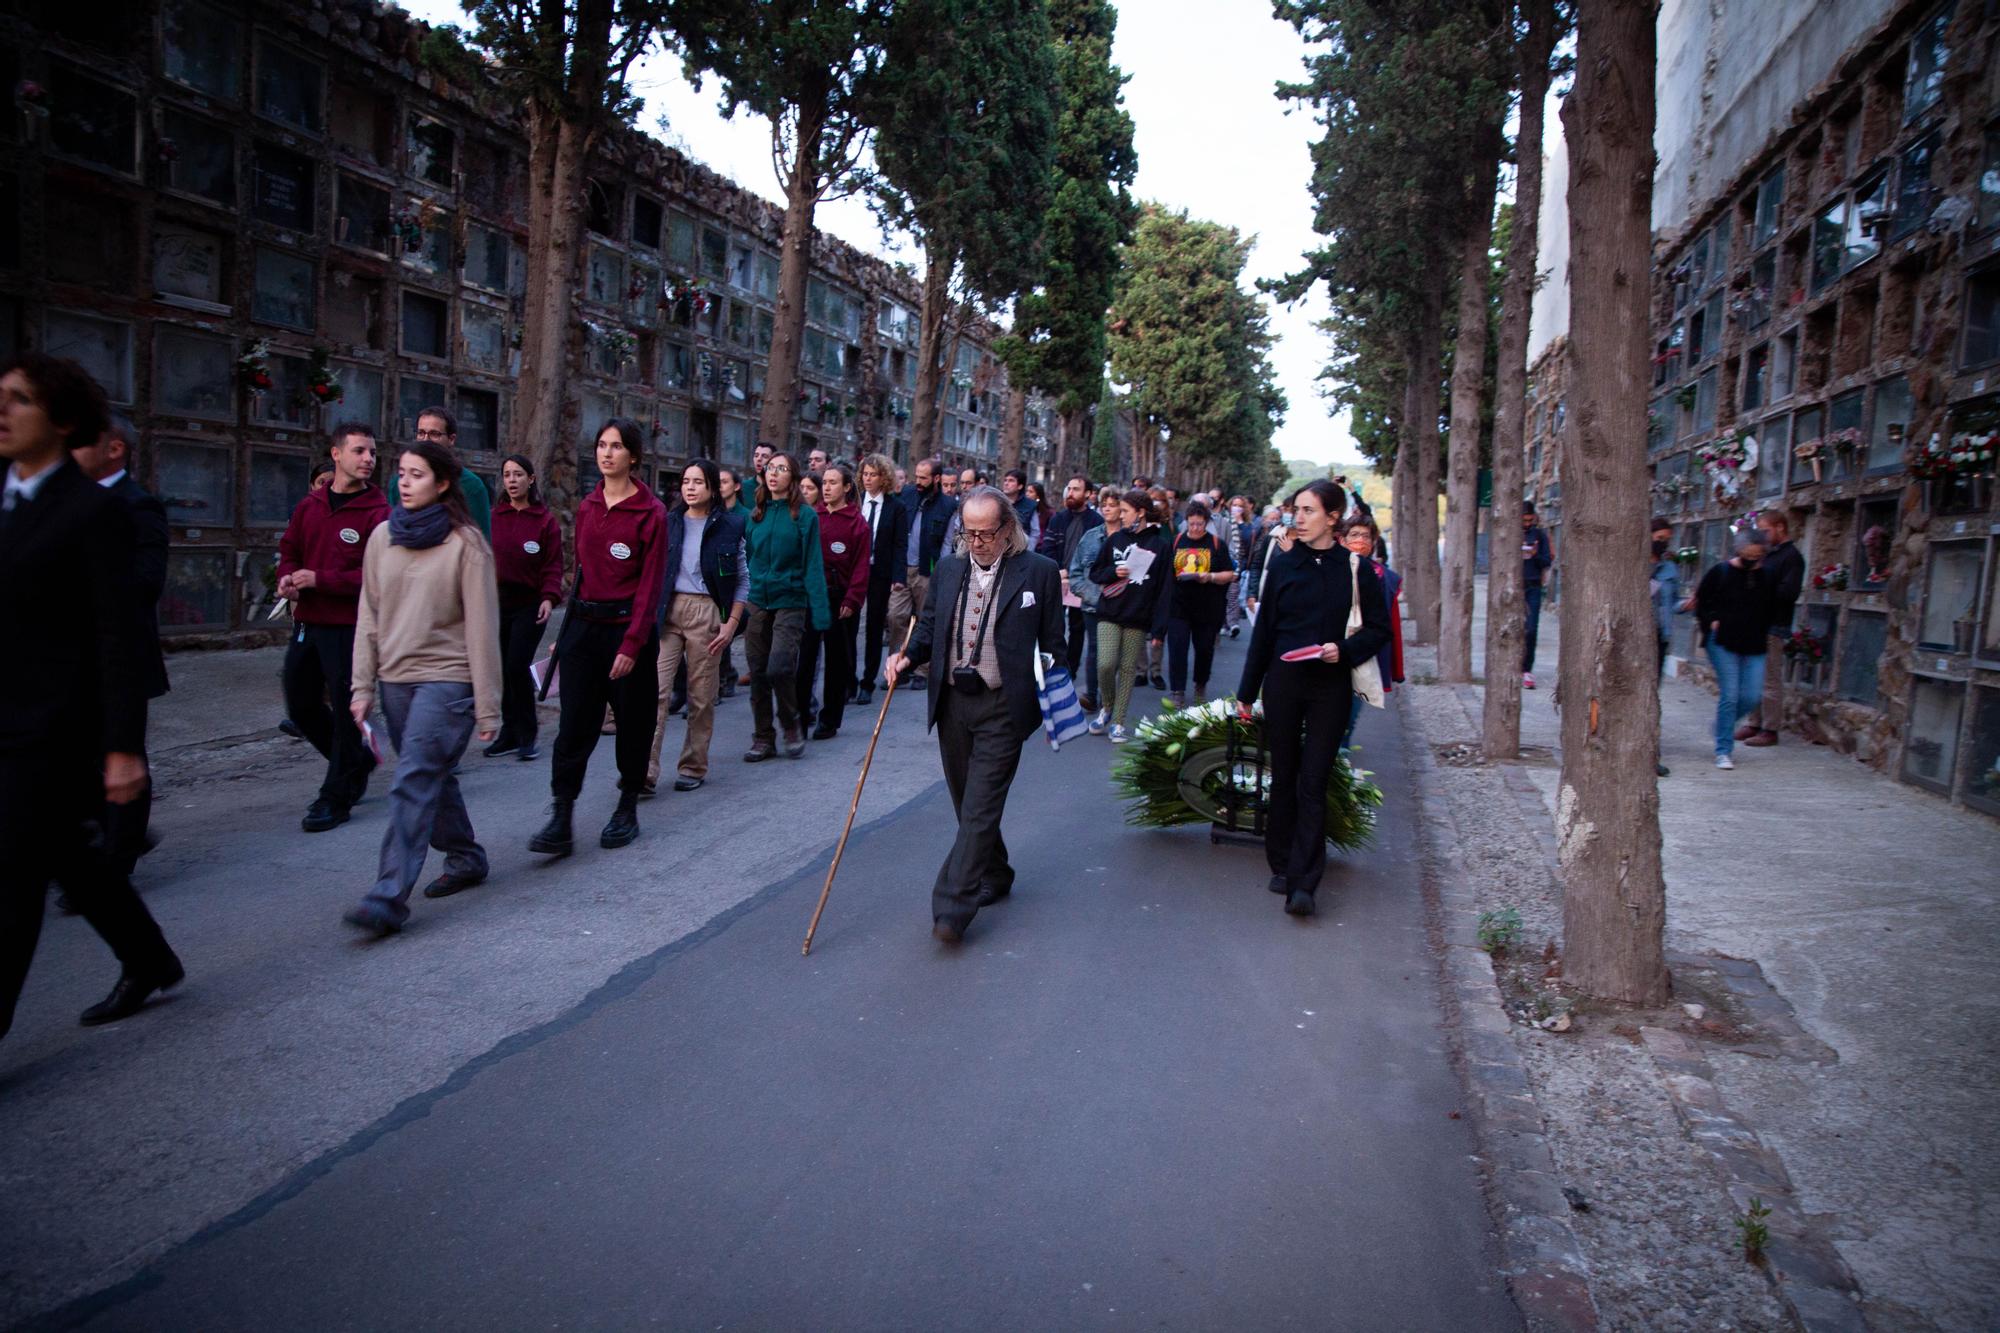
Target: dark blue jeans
1533, 593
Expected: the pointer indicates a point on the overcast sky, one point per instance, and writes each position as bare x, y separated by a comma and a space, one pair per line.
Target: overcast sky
1211, 137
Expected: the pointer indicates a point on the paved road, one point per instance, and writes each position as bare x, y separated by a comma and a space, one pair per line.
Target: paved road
1139, 1094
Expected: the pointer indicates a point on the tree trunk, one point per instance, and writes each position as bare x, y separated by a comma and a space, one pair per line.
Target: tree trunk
1608, 806
1468, 384
926, 411
1013, 427
1420, 546
788, 323
1506, 613
544, 416
1403, 495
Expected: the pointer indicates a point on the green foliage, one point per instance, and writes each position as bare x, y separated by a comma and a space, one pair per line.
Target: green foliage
1192, 343
1752, 1231
1175, 770
965, 119
1104, 436
1501, 930
1058, 340
576, 69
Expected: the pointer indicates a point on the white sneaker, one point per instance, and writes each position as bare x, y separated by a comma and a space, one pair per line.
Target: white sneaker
1527, 680
1118, 735
1724, 761
1100, 722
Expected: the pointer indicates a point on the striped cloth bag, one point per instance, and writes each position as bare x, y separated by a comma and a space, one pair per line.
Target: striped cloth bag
1062, 716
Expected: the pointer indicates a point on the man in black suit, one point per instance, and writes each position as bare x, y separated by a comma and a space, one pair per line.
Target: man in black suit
72, 726
889, 540
989, 610
108, 463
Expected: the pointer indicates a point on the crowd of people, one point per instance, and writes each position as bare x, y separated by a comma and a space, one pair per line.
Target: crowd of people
418, 600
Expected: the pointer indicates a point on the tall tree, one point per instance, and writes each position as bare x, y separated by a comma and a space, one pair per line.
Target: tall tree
1608, 806
1468, 395
568, 64
965, 117
1506, 612
807, 67
1058, 338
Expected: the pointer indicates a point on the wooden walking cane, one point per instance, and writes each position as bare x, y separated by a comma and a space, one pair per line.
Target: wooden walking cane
855, 804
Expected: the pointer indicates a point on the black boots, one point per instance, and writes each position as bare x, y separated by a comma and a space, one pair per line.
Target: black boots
623, 826
555, 838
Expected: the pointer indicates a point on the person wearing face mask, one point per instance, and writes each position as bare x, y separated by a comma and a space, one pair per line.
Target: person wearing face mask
1733, 603
427, 637
1665, 584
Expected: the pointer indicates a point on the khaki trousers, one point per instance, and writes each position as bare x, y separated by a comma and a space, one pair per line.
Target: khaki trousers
692, 621
906, 604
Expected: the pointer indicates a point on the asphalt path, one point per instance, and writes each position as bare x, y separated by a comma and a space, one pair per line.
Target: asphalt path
1139, 1094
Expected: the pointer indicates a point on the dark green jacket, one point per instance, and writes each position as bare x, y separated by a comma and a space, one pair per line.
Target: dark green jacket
786, 570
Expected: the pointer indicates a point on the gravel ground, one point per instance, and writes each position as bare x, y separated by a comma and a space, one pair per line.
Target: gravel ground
1658, 1232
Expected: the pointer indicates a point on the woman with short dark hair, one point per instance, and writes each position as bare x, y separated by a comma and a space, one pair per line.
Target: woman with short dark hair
528, 561
1303, 655
610, 642
427, 636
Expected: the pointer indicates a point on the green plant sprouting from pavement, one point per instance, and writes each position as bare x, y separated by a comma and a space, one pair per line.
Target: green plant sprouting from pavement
1752, 1230
1498, 930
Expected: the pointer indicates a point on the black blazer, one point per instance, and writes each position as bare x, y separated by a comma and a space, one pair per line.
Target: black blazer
1018, 630
149, 571
69, 678
885, 553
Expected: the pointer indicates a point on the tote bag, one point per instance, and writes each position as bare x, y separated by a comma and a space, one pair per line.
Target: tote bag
1367, 676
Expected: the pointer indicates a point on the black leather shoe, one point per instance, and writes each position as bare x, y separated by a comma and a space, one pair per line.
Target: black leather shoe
555, 839
1159, 682
685, 783
291, 728
504, 746
447, 884
371, 919
623, 826
990, 895
865, 695
919, 684
1277, 884
823, 732
322, 815
944, 932
1660, 770
129, 996
1298, 903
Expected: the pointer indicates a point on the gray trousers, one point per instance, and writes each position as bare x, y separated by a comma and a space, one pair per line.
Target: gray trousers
429, 724
976, 740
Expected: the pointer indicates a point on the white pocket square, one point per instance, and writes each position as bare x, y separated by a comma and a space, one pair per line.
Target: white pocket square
1027, 598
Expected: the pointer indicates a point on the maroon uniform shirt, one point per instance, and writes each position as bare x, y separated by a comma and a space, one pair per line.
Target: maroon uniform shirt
843, 548
527, 554
330, 543
621, 551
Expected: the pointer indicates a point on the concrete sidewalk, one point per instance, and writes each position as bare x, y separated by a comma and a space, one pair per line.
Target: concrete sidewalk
1872, 908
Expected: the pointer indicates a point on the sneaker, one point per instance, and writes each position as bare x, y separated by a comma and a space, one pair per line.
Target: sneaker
1527, 680
1099, 723
504, 746
1118, 735
1723, 761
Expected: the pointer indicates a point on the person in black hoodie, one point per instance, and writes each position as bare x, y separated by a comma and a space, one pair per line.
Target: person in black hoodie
1733, 606
1131, 608
1306, 597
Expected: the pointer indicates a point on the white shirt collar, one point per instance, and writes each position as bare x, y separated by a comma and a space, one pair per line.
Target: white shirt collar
108, 482
28, 487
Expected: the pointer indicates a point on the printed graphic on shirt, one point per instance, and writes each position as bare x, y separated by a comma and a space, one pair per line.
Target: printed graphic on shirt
532, 548
350, 536
620, 551
1191, 560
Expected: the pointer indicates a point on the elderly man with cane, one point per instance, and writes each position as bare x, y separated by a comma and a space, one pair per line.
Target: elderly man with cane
992, 606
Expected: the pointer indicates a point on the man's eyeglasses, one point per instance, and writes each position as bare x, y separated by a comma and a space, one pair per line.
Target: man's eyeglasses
980, 534
433, 436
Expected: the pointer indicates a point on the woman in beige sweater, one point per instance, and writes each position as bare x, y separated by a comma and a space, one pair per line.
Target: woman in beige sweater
427, 642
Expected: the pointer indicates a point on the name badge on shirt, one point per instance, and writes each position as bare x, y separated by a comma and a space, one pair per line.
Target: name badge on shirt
532, 548
840, 548
350, 536
620, 551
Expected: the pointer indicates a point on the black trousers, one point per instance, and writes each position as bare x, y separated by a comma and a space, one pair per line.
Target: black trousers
980, 750
318, 679
586, 651
520, 636
1181, 634
1307, 706
877, 624
45, 835
837, 646
1079, 634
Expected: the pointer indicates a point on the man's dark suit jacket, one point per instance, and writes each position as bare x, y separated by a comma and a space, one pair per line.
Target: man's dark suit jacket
70, 675
1018, 630
887, 551
149, 578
